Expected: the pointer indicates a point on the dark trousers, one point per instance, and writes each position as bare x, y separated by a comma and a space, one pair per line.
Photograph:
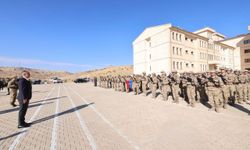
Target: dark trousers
22, 112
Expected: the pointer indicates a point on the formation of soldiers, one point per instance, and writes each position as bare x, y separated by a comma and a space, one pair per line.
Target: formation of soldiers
217, 88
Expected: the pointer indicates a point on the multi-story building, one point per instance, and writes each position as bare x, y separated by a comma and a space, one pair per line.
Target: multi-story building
167, 48
242, 46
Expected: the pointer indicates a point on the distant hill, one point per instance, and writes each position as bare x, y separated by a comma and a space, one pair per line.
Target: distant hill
35, 73
111, 70
44, 74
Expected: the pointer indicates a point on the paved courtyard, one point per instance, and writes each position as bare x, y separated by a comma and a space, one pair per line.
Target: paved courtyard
79, 116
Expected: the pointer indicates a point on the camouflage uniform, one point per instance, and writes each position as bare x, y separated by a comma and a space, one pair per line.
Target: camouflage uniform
144, 84
191, 83
242, 88
165, 90
175, 81
248, 86
154, 85
214, 91
122, 84
135, 85
12, 85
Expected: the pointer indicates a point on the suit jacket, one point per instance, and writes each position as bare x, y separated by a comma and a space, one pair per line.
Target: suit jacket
25, 89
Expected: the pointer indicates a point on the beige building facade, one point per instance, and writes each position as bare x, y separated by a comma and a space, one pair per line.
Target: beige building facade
167, 48
242, 46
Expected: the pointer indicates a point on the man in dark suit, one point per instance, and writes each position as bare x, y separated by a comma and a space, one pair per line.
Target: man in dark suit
24, 96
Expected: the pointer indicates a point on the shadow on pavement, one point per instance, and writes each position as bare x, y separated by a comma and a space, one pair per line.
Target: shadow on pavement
17, 108
241, 108
49, 99
61, 113
12, 135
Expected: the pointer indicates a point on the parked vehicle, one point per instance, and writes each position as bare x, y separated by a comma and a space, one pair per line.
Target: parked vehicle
36, 82
81, 80
56, 80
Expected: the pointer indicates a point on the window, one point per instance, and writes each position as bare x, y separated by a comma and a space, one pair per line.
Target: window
177, 51
149, 56
187, 65
173, 50
150, 68
173, 64
247, 50
210, 57
177, 65
180, 37
186, 38
192, 40
176, 36
180, 51
173, 35
186, 51
181, 65
192, 65
246, 41
247, 60
192, 53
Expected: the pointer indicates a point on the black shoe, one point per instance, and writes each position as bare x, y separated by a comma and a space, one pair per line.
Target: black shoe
12, 104
28, 124
23, 126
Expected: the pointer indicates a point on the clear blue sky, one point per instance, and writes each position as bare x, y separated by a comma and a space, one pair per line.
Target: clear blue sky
77, 35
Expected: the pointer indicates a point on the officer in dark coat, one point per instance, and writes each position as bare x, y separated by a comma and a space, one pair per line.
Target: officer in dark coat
24, 96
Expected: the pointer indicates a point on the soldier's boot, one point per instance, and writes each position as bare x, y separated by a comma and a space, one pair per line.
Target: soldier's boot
164, 97
13, 99
217, 109
212, 109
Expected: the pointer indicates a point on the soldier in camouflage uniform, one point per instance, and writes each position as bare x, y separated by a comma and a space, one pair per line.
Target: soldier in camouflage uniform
175, 81
191, 84
201, 88
154, 85
242, 88
12, 85
165, 90
135, 84
214, 91
224, 88
145, 81
183, 86
248, 85
123, 84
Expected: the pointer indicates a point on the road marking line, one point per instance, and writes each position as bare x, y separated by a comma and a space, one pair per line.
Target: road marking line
53, 145
17, 140
82, 123
108, 122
